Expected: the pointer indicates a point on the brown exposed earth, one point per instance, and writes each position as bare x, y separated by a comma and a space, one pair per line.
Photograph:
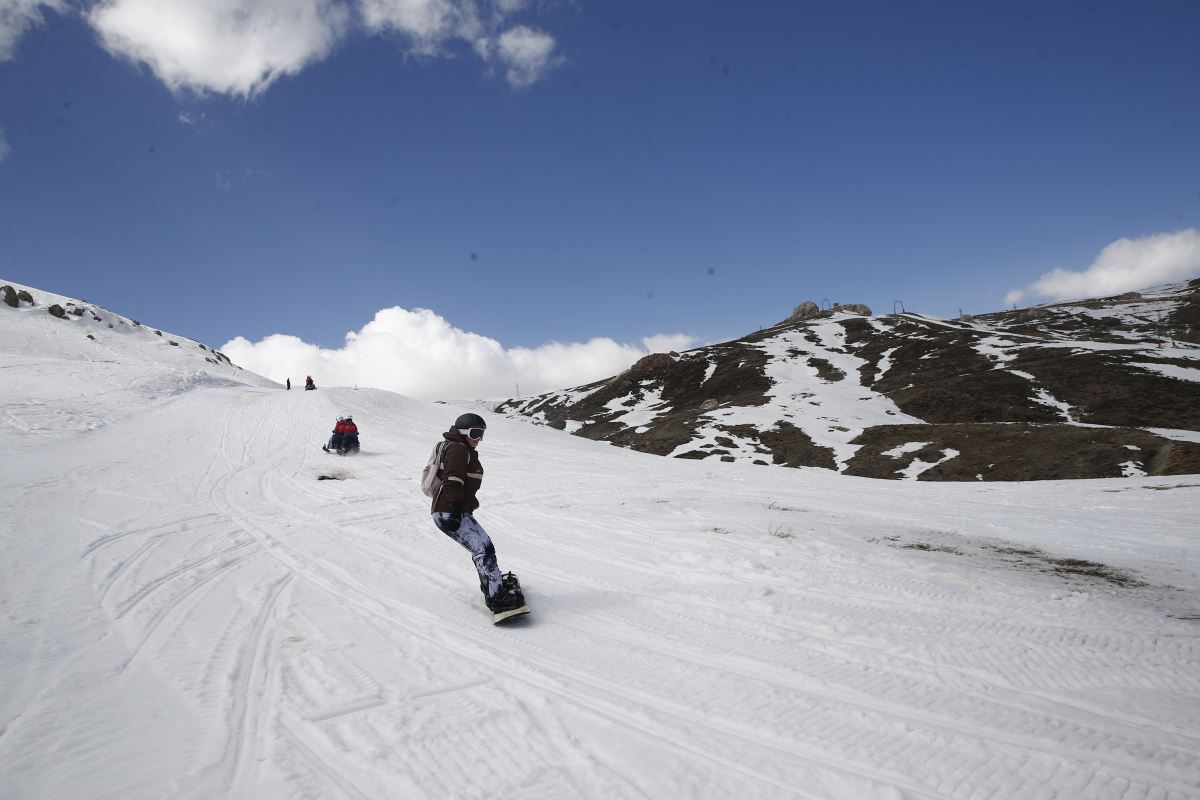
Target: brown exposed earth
1020, 452
1057, 391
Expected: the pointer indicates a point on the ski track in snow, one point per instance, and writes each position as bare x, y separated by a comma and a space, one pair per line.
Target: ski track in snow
188, 612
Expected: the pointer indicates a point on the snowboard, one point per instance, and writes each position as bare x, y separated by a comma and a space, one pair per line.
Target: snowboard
502, 616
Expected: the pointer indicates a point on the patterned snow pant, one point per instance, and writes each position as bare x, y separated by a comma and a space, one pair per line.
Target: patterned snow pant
473, 537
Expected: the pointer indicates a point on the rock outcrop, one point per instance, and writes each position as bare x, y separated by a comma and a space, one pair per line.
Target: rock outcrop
854, 308
806, 310
652, 363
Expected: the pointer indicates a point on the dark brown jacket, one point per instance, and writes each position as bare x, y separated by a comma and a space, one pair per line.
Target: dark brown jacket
461, 474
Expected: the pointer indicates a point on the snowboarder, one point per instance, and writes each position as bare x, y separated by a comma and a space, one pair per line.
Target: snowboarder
453, 509
308, 383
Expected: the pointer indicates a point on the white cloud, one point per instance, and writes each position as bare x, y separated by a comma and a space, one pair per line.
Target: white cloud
526, 54
505, 8
1123, 266
420, 354
236, 47
18, 16
668, 342
427, 22
4, 149
241, 47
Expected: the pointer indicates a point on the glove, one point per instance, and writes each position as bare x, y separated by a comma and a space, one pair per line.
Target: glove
455, 519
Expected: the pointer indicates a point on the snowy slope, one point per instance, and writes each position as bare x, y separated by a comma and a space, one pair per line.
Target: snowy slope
187, 610
86, 370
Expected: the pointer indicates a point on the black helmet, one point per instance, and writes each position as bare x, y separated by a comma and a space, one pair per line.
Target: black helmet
470, 421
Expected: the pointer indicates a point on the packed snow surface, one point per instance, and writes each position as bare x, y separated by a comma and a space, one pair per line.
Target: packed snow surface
189, 610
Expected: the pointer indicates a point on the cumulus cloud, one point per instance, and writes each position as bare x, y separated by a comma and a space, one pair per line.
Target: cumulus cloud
236, 47
1123, 266
241, 47
420, 354
18, 16
526, 54
428, 22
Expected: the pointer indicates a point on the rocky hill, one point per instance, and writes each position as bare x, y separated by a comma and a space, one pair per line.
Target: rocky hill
98, 324
95, 352
1089, 389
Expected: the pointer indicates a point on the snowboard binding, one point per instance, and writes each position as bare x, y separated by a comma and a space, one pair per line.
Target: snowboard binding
509, 602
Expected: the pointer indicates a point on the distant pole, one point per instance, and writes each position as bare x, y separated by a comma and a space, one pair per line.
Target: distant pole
901, 304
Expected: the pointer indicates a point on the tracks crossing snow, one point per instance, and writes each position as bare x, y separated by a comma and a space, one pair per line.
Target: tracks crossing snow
323, 639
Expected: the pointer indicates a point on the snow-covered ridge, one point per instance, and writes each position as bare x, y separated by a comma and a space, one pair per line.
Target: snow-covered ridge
98, 356
93, 320
840, 390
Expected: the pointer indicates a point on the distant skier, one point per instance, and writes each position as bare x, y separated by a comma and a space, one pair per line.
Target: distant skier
308, 383
454, 504
289, 380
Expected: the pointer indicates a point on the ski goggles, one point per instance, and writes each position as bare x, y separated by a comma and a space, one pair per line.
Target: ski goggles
472, 433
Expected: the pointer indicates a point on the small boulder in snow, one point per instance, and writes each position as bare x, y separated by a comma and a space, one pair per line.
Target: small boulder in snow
57, 311
10, 296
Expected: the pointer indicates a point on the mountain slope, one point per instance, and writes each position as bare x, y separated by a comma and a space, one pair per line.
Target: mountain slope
190, 610
108, 366
1078, 390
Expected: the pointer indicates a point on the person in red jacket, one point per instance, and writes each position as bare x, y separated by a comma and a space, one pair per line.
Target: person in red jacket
349, 435
339, 430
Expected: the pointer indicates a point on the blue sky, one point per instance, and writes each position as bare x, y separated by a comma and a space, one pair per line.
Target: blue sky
536, 172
